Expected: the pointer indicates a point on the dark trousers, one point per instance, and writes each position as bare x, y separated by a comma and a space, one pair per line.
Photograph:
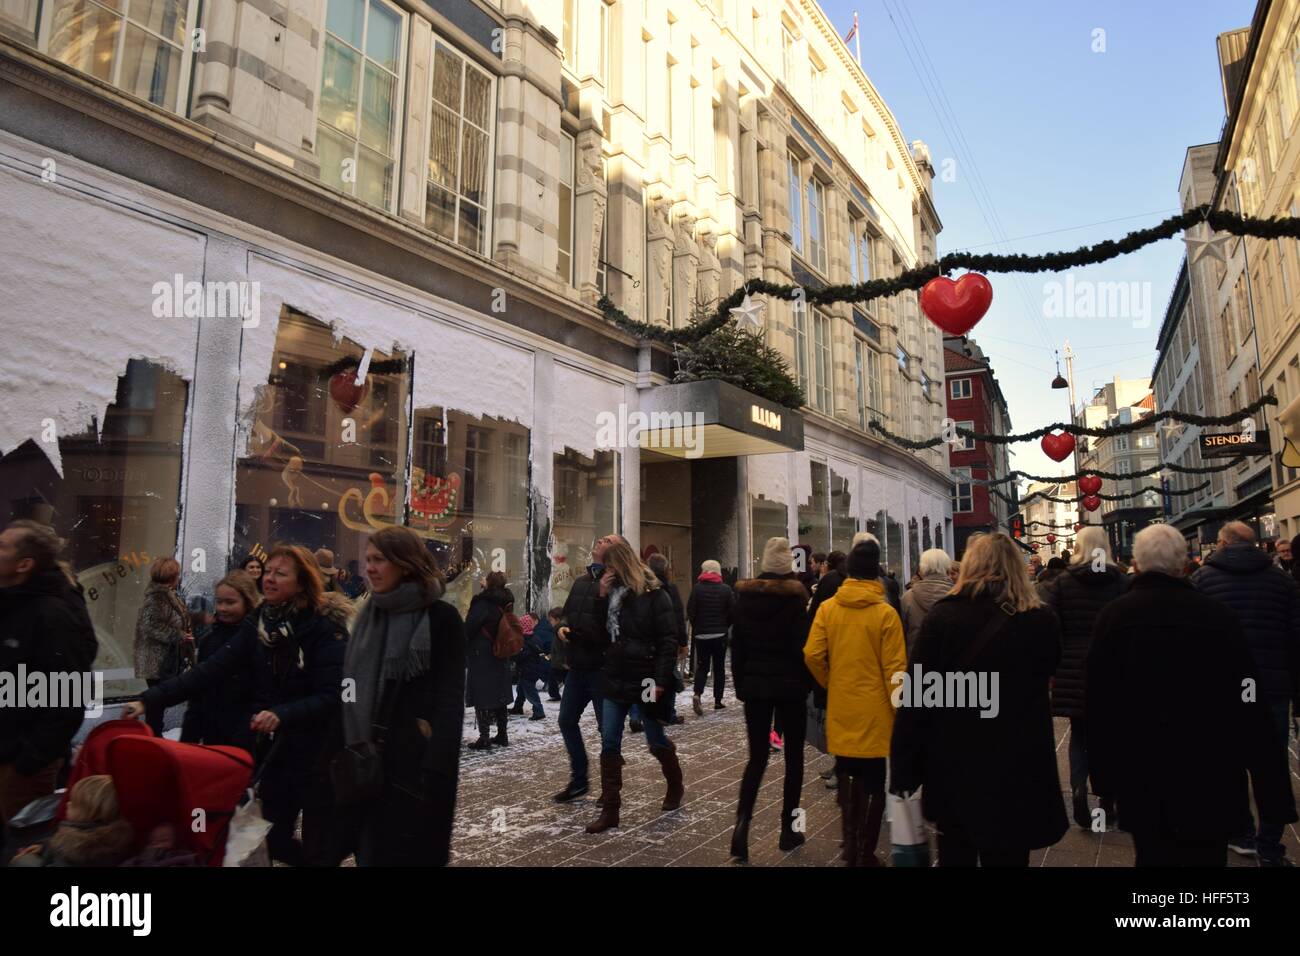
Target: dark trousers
758, 721
1078, 755
956, 849
153, 716
711, 653
1162, 849
554, 681
528, 690
580, 689
1268, 838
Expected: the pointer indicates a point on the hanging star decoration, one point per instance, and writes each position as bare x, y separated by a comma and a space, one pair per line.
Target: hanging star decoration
749, 314
1216, 247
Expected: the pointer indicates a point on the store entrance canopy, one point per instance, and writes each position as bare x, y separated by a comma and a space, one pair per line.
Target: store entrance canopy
715, 419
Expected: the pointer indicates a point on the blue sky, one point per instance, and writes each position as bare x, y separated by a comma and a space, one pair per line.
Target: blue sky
1060, 137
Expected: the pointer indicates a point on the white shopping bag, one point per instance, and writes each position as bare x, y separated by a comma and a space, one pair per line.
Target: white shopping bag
246, 838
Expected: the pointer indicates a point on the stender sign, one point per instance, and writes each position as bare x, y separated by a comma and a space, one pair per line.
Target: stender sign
1232, 444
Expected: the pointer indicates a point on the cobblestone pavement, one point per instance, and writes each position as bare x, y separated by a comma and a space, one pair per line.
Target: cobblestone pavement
505, 815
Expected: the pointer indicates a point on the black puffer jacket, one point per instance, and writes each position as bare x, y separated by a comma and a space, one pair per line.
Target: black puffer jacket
220, 715
1266, 601
824, 590
646, 647
43, 625
769, 628
709, 607
584, 613
1077, 595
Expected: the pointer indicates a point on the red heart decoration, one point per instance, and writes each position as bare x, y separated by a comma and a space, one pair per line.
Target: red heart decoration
1077, 527
345, 391
1091, 502
1057, 447
1090, 484
1051, 539
956, 306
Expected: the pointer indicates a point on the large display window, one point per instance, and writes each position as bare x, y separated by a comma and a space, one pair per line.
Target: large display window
586, 506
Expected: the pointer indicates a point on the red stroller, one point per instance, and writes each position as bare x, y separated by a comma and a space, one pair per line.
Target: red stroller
194, 788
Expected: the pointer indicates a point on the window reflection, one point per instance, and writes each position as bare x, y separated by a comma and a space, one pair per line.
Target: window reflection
585, 496
814, 516
115, 505
843, 523
768, 519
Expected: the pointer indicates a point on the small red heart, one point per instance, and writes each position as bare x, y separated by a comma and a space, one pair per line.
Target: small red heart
956, 306
1077, 527
345, 391
1057, 447
1090, 484
1051, 539
1091, 502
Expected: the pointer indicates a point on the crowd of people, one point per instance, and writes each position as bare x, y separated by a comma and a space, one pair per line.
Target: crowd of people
1177, 681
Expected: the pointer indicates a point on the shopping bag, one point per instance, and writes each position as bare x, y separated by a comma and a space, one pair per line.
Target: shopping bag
246, 838
908, 836
816, 725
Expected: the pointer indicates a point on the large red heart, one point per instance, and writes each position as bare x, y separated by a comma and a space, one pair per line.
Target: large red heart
956, 306
1091, 502
345, 391
1057, 447
1090, 484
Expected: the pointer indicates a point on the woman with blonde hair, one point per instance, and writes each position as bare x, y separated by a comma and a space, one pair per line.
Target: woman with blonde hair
220, 715
290, 651
161, 629
1077, 595
638, 669
990, 649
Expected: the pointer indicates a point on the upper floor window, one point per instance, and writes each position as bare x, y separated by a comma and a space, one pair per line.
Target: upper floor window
458, 192
796, 203
569, 34
564, 240
357, 132
925, 385
902, 359
963, 499
602, 273
959, 388
787, 56
967, 443
822, 364
817, 225
801, 348
141, 47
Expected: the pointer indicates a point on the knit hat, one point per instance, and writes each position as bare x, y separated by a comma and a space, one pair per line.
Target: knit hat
864, 560
777, 556
865, 536
710, 567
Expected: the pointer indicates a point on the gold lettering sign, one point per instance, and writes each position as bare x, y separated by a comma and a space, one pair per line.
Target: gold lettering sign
765, 417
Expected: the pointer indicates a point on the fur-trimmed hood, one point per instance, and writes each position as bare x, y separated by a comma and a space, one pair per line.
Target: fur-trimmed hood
337, 608
777, 587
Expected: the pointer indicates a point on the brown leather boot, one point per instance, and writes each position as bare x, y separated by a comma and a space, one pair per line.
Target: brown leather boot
611, 784
667, 757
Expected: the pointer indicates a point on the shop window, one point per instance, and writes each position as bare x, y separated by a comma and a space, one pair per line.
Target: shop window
926, 543
894, 536
814, 517
876, 526
360, 99
142, 48
116, 505
469, 498
325, 464
913, 544
767, 519
586, 507
843, 523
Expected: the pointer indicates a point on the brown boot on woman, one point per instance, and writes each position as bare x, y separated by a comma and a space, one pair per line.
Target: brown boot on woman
611, 784
667, 757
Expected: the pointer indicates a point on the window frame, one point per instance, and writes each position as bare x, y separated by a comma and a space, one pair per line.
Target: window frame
967, 443
956, 393
44, 25
957, 497
493, 92
817, 254
560, 186
823, 362
798, 241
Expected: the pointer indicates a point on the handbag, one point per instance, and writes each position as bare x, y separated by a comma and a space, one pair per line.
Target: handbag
357, 771
509, 639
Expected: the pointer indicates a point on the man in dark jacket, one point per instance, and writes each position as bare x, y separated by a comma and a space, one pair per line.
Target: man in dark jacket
1077, 595
709, 609
44, 628
585, 637
1266, 602
1170, 725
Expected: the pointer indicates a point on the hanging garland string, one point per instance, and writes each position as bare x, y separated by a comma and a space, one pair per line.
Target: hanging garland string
1120, 497
1109, 431
1219, 220
1111, 475
1048, 524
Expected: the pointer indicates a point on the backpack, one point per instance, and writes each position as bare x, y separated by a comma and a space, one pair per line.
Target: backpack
509, 639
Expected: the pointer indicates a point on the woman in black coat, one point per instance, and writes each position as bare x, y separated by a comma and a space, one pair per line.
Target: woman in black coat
220, 715
487, 687
638, 669
769, 628
404, 666
990, 782
291, 654
1077, 595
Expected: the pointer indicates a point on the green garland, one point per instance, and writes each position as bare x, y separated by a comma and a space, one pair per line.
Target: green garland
1112, 475
1220, 221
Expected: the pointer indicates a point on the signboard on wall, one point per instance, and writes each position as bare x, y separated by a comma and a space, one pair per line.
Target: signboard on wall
1232, 444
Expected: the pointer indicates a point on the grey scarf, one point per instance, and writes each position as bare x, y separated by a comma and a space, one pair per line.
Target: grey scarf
390, 641
616, 596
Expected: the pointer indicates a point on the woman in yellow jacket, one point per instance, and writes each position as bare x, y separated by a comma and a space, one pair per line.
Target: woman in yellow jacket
854, 649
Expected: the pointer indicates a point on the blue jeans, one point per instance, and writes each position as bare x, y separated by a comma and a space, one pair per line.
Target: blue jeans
528, 689
579, 691
611, 731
